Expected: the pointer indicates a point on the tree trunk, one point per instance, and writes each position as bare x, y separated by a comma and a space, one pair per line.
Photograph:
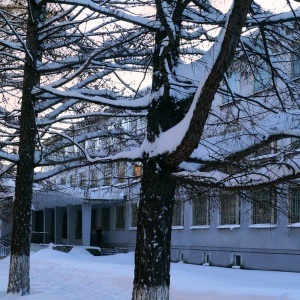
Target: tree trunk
19, 281
155, 212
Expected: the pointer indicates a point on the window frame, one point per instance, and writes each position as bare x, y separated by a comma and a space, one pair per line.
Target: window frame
83, 179
200, 209
133, 216
295, 61
295, 143
94, 178
119, 217
63, 181
232, 210
261, 82
73, 180
178, 215
260, 215
121, 172
291, 208
234, 83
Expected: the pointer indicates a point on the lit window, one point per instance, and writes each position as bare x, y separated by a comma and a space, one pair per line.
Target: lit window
133, 215
263, 211
294, 204
137, 170
229, 209
200, 211
119, 217
178, 214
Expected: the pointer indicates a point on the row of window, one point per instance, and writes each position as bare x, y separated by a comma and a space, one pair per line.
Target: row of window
262, 78
93, 178
263, 210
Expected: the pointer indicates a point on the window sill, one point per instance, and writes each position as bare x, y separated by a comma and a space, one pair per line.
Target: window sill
132, 228
233, 226
263, 226
200, 227
177, 227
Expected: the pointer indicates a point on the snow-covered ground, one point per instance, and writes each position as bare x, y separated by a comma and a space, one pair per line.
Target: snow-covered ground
79, 275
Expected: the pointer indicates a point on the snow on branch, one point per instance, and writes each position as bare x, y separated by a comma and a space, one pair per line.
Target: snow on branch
118, 14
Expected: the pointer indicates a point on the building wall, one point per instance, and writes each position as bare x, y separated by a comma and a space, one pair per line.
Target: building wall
275, 248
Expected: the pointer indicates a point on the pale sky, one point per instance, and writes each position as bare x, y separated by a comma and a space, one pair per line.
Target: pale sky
277, 5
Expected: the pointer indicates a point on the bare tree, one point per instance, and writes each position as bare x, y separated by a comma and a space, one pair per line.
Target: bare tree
78, 69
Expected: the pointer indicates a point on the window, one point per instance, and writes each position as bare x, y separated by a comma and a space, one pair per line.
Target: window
107, 174
93, 144
83, 145
206, 259
137, 170
94, 178
121, 172
294, 204
140, 126
119, 217
266, 150
200, 211
295, 62
295, 143
63, 181
72, 180
262, 77
263, 211
105, 218
234, 82
133, 215
237, 259
178, 214
82, 179
229, 209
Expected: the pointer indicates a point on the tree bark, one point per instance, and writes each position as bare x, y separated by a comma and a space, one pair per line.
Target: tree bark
19, 281
155, 212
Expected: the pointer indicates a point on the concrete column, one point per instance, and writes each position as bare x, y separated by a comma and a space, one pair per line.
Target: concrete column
71, 211
58, 225
86, 224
